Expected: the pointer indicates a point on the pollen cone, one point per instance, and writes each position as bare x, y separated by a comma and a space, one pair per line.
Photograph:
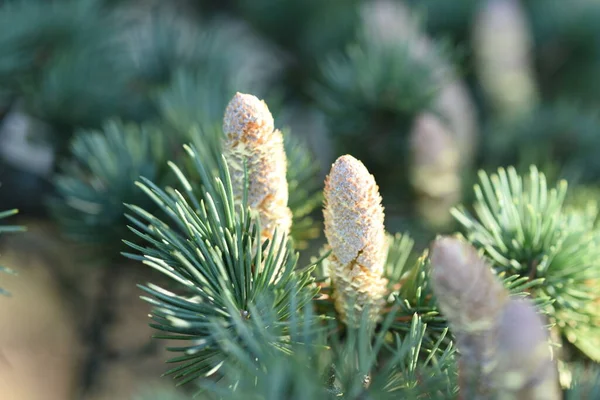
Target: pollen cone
251, 138
503, 344
355, 233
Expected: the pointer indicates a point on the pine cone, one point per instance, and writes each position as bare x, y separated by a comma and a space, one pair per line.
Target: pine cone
524, 368
251, 138
435, 170
503, 344
502, 45
355, 232
467, 290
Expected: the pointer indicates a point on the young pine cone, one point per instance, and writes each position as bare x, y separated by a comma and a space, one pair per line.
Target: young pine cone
524, 368
251, 138
435, 170
502, 341
355, 233
502, 47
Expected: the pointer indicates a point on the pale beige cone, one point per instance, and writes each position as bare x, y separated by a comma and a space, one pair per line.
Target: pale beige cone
435, 170
252, 138
524, 367
468, 292
502, 48
504, 347
354, 228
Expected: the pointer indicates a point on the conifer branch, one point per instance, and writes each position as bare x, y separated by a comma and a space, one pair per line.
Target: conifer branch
359, 365
99, 178
210, 245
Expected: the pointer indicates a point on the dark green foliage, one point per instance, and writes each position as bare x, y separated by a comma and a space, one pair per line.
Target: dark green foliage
76, 64
305, 190
81, 88
521, 225
447, 19
585, 384
212, 50
317, 28
362, 365
36, 31
59, 57
304, 31
562, 140
566, 38
212, 248
195, 101
95, 183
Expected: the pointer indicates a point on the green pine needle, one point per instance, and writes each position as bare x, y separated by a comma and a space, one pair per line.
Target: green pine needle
212, 249
99, 178
362, 364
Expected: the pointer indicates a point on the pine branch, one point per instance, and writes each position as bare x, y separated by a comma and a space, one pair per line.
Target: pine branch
561, 141
100, 177
357, 366
415, 297
411, 290
211, 247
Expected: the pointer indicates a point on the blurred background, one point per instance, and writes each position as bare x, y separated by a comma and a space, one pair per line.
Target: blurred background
95, 93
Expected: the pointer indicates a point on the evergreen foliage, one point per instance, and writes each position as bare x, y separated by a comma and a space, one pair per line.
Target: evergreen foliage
352, 368
561, 140
135, 94
94, 185
212, 248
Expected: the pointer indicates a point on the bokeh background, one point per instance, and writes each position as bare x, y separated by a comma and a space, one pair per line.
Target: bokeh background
94, 93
